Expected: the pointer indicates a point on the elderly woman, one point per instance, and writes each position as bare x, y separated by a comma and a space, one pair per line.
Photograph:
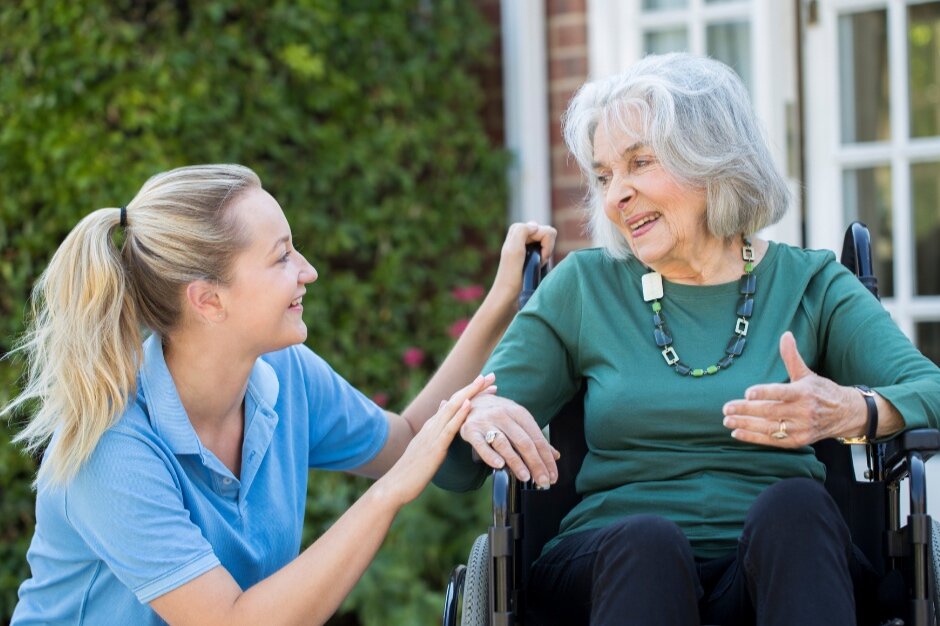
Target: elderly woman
711, 360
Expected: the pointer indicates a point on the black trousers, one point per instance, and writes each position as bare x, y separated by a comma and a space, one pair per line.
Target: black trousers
794, 566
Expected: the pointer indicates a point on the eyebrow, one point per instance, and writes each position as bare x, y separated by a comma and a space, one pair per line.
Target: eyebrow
283, 239
633, 148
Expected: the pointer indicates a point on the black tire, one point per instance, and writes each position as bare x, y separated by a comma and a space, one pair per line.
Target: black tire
476, 585
933, 575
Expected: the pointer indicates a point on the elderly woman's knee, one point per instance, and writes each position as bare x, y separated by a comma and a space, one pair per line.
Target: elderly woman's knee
644, 534
794, 503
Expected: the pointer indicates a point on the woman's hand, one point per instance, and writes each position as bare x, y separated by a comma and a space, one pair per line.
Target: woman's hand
515, 439
508, 281
408, 477
799, 413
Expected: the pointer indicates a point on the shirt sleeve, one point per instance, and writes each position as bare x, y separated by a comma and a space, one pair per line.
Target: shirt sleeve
535, 365
347, 429
127, 506
863, 346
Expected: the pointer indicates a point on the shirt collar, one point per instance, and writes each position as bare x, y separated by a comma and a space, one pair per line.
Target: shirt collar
165, 409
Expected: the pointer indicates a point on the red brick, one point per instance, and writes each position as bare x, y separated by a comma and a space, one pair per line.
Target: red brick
569, 68
556, 7
570, 34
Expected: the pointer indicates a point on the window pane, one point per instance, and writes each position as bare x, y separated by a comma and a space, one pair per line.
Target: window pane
924, 75
863, 76
659, 5
670, 40
867, 197
925, 200
731, 44
928, 340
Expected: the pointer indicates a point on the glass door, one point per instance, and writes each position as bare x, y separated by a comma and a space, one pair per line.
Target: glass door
872, 110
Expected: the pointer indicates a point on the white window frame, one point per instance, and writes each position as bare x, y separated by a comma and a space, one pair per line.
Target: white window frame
827, 157
615, 40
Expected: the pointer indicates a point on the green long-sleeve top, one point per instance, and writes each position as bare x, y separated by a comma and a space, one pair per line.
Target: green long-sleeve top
656, 443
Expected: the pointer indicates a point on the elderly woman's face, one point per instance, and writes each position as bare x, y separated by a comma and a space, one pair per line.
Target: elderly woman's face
662, 220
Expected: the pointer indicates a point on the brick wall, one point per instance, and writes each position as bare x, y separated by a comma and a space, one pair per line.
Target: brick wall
566, 21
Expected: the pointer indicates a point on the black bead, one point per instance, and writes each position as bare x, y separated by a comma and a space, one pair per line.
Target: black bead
748, 283
662, 339
745, 306
726, 362
682, 369
658, 319
736, 345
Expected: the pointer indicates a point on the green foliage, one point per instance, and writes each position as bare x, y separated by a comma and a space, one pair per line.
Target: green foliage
362, 117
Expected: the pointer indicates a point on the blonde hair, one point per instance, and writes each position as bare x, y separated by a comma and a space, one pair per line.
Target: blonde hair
696, 116
92, 302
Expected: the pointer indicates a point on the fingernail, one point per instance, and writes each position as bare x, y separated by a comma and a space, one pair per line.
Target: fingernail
727, 422
543, 482
525, 476
478, 379
734, 434
554, 477
441, 405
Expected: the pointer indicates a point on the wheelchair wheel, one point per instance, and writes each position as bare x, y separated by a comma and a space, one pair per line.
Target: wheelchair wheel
934, 569
476, 585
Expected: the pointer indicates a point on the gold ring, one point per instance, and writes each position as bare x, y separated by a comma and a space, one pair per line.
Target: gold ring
490, 436
780, 433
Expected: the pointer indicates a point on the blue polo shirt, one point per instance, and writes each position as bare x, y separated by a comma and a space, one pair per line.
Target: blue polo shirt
152, 508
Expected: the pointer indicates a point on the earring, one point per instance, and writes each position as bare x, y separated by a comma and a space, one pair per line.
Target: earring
219, 315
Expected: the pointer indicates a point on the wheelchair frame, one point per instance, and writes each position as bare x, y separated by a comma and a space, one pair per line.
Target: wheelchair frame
525, 518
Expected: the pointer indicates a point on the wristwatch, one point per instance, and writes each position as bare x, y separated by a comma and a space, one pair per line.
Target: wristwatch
872, 429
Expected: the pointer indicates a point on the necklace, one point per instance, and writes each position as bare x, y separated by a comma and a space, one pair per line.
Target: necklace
653, 291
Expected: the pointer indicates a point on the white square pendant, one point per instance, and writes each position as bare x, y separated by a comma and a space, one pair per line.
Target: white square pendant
652, 286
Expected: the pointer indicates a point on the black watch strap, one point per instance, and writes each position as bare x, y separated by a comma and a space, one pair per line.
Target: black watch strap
869, 396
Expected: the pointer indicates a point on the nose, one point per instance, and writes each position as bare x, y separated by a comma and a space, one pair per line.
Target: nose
308, 273
620, 191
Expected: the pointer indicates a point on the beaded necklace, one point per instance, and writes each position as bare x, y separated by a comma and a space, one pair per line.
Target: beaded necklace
653, 291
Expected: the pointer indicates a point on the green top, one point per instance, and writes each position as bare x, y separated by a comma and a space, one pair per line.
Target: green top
656, 443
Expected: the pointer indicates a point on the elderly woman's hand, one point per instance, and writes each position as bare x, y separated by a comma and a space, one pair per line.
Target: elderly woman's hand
508, 281
801, 412
504, 433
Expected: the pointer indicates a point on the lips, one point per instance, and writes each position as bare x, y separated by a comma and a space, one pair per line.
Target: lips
635, 223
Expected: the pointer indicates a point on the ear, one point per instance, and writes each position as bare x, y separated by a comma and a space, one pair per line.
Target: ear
204, 301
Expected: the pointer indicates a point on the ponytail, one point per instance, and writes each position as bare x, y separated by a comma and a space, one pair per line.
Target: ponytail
84, 342
83, 347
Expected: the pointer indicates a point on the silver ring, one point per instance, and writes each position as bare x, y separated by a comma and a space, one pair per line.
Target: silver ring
491, 436
781, 432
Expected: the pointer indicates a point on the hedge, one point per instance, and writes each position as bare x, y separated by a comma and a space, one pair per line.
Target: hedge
363, 117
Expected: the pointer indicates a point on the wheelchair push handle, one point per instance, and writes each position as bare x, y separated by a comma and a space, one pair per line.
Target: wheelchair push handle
531, 272
857, 255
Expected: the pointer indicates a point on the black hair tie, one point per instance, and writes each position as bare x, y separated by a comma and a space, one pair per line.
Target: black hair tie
124, 216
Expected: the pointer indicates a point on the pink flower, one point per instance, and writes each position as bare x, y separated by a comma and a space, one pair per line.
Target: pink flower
456, 329
468, 293
380, 398
413, 357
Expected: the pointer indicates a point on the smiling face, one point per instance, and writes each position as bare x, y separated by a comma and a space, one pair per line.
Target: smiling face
262, 304
662, 220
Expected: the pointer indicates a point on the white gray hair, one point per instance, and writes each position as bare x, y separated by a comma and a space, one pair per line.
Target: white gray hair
697, 119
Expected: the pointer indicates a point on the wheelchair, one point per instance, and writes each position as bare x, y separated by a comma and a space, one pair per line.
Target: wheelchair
490, 589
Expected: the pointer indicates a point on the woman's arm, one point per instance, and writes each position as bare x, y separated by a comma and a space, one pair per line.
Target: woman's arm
310, 588
812, 406
474, 346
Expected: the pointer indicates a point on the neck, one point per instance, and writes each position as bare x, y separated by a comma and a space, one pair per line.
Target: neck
712, 263
210, 377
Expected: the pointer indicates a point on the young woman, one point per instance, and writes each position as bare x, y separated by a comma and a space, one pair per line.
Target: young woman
173, 486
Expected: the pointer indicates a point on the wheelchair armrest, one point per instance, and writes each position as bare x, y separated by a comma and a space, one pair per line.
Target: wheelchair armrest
926, 441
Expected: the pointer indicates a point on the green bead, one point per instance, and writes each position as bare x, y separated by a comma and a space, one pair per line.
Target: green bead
657, 307
711, 369
698, 372
749, 267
